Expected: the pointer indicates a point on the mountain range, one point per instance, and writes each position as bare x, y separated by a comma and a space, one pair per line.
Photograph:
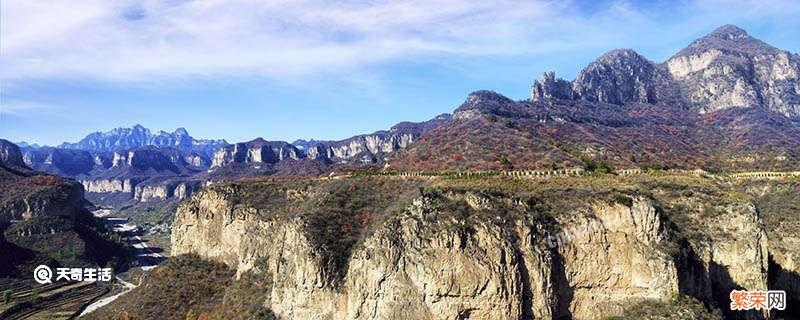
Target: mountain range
727, 102
139, 136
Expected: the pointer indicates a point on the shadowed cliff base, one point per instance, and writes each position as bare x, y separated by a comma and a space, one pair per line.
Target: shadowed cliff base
789, 281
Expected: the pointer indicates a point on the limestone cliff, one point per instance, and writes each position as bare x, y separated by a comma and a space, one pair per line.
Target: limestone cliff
109, 185
456, 252
154, 191
256, 151
372, 147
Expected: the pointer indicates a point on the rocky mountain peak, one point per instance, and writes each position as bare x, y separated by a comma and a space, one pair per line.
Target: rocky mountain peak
478, 102
622, 56
726, 68
729, 32
728, 39
729, 68
181, 132
621, 76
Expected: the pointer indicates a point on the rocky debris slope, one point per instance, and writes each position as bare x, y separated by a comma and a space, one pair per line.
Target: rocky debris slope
449, 250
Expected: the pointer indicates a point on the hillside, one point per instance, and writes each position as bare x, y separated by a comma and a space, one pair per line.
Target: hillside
43, 221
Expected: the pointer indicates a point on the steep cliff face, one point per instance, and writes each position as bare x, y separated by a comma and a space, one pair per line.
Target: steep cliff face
458, 253
777, 204
632, 264
65, 162
376, 144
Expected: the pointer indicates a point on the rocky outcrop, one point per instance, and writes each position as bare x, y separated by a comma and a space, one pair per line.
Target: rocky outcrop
146, 193
373, 147
10, 154
196, 160
549, 87
375, 144
150, 158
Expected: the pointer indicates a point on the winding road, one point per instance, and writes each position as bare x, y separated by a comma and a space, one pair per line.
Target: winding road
147, 258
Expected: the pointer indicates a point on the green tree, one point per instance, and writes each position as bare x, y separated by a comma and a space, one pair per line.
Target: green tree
7, 296
505, 162
35, 295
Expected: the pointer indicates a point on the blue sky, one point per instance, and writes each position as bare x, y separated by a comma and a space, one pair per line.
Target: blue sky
285, 70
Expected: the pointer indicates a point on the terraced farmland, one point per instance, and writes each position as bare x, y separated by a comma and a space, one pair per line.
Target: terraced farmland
59, 300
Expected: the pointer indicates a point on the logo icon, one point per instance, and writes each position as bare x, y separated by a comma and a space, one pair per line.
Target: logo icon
42, 274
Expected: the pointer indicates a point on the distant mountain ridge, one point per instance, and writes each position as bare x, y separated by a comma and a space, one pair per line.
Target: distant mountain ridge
139, 136
314, 157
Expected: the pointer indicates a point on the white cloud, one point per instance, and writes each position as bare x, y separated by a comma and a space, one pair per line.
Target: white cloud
26, 108
156, 39
98, 39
